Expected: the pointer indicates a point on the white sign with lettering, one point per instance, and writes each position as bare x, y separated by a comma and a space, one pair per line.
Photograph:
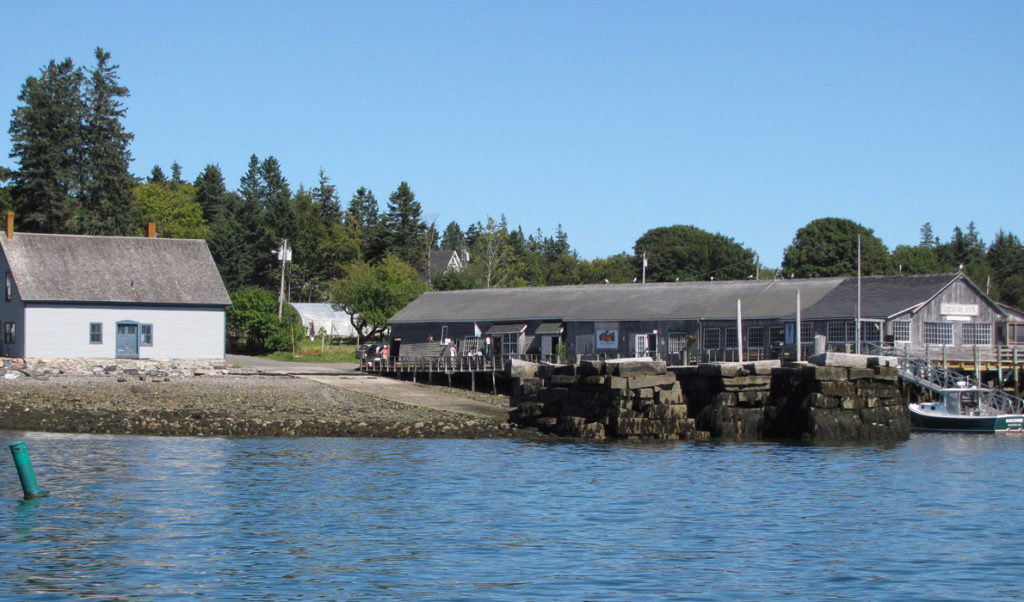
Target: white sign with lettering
958, 309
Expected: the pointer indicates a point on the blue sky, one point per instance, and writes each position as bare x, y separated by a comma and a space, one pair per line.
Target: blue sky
610, 118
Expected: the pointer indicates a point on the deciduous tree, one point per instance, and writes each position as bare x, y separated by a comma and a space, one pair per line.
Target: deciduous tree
689, 253
371, 294
828, 247
174, 211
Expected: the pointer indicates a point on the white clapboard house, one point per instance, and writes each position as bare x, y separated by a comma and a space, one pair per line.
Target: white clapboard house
110, 297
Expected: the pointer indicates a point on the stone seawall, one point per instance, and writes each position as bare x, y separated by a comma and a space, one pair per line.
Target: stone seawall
812, 403
751, 401
621, 399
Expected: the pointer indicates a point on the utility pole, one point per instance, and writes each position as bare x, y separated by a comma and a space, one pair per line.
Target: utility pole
284, 254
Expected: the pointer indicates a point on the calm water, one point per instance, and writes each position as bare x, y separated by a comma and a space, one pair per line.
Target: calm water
141, 517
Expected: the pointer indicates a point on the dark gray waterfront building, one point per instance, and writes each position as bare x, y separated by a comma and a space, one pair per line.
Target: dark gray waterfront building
689, 322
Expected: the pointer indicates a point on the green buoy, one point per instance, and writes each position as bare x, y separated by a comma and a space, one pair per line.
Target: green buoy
25, 472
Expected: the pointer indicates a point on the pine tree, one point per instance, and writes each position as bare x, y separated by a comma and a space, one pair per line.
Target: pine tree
156, 176
453, 238
108, 183
255, 261
211, 194
278, 213
176, 175
46, 140
5, 190
363, 220
928, 238
405, 227
325, 199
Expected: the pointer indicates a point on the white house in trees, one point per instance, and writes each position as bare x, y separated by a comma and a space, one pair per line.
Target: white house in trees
110, 297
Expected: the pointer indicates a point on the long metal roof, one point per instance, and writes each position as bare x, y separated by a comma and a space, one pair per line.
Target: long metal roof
820, 298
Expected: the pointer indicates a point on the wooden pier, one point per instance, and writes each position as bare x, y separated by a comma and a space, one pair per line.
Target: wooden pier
448, 367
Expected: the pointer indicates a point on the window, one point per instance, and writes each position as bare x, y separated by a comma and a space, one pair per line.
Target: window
976, 334
776, 334
730, 338
9, 333
510, 343
444, 333
901, 331
95, 333
755, 337
676, 342
841, 332
870, 332
8, 287
938, 333
146, 335
640, 345
712, 338
471, 345
807, 333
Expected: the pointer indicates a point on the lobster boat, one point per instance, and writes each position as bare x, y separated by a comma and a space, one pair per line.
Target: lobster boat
967, 409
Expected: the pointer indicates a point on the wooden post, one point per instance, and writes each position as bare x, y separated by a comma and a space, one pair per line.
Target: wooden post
494, 383
977, 366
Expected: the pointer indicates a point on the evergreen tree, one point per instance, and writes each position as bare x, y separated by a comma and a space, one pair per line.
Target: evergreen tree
5, 191
963, 249
309, 245
211, 194
405, 228
176, 175
156, 176
558, 260
325, 198
1006, 260
46, 140
255, 262
928, 238
278, 213
363, 221
229, 245
453, 238
108, 185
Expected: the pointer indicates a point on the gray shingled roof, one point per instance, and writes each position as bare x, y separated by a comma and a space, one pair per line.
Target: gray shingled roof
113, 269
881, 296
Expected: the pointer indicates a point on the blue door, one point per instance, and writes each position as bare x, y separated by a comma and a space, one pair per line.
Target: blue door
127, 340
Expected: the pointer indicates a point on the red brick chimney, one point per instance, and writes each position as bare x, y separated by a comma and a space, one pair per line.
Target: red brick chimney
10, 225
151, 231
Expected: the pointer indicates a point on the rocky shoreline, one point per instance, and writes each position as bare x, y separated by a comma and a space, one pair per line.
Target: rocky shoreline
221, 403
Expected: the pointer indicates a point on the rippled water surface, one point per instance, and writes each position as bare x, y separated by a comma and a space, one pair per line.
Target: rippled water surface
141, 517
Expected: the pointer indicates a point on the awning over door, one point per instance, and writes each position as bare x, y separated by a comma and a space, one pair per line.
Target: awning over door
550, 328
499, 329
